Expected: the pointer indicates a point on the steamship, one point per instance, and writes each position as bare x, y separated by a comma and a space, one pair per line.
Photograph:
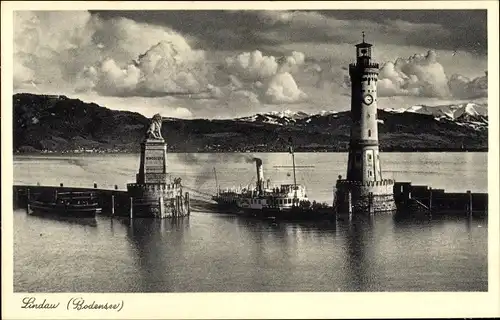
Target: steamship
285, 202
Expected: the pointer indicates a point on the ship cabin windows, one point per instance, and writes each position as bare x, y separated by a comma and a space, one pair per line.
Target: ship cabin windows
284, 201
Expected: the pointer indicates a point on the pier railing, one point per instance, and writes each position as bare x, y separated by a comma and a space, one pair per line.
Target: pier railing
384, 182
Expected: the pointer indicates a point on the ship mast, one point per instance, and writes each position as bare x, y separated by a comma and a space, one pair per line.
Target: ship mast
294, 177
216, 182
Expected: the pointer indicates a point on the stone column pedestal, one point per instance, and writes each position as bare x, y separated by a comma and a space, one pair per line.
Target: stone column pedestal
154, 195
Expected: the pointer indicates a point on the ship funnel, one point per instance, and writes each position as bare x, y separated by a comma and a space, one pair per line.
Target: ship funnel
260, 175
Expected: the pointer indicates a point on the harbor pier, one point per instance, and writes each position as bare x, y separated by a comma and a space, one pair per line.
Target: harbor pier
417, 199
114, 202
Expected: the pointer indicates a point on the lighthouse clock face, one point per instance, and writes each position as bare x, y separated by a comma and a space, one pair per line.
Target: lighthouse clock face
368, 99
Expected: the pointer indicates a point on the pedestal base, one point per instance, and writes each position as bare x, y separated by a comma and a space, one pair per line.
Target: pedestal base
153, 167
154, 200
364, 197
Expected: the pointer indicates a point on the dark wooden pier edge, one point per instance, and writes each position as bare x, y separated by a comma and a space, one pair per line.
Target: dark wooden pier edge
413, 200
425, 199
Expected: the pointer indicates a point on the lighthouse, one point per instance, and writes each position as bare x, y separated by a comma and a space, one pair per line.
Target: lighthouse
364, 161
364, 188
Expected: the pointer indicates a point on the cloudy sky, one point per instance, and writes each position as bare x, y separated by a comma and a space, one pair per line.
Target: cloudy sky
234, 63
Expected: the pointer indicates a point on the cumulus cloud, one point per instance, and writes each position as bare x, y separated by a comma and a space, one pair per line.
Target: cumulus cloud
122, 58
243, 96
252, 66
419, 75
164, 69
332, 77
50, 46
117, 57
465, 88
268, 77
292, 62
283, 89
113, 80
423, 76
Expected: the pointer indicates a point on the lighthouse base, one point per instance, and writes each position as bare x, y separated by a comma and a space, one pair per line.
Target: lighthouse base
364, 197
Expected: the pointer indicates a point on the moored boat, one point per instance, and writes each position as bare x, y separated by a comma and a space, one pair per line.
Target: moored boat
81, 204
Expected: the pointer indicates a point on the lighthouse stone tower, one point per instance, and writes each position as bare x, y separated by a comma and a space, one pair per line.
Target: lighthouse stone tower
364, 189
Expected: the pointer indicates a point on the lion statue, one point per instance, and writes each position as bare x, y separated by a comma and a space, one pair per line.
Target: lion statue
154, 131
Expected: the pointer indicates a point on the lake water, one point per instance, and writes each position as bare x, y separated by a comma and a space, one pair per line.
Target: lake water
210, 251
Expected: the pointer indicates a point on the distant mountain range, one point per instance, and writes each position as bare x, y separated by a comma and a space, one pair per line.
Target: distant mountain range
59, 124
472, 114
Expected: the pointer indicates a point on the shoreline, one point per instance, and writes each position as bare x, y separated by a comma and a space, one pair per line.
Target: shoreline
253, 151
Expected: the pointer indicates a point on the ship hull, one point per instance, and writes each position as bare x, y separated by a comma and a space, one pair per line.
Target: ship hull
77, 211
286, 213
291, 214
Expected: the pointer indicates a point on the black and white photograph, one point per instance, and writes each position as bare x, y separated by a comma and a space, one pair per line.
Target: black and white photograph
240, 150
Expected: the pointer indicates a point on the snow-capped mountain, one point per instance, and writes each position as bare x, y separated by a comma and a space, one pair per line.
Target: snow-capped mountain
466, 114
453, 111
289, 114
276, 117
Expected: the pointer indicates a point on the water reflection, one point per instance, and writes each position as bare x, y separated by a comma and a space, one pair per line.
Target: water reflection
267, 255
357, 233
402, 221
157, 244
90, 222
